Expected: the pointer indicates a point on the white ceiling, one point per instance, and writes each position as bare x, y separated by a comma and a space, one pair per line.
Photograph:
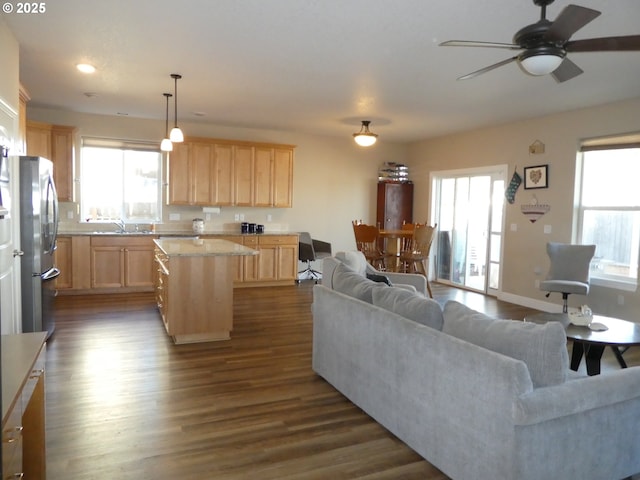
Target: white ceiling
312, 65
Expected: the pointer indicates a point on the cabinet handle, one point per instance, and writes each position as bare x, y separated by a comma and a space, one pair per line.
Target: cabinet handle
15, 475
13, 434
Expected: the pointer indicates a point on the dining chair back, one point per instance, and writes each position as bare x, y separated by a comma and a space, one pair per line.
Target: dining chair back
416, 258
366, 237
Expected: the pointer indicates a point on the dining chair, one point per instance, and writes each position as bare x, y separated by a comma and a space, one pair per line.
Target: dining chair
416, 258
367, 242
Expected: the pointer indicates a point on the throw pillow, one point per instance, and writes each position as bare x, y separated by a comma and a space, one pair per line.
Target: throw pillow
379, 278
410, 305
543, 347
353, 284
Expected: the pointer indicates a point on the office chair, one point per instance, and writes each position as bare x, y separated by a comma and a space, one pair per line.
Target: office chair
310, 250
569, 272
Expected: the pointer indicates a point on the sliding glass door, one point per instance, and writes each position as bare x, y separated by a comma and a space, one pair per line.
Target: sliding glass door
468, 208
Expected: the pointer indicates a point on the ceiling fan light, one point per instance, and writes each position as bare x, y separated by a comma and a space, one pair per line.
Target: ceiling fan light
364, 137
541, 64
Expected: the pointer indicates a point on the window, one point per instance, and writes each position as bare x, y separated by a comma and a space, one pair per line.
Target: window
120, 180
609, 211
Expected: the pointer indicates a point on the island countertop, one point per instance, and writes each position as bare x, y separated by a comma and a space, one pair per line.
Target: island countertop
202, 247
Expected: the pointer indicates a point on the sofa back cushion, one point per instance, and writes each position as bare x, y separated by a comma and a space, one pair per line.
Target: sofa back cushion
543, 347
354, 284
409, 305
355, 260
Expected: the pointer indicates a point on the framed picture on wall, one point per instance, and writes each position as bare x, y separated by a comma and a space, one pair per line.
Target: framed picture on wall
536, 177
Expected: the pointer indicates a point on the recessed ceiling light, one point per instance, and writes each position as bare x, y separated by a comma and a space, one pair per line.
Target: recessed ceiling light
86, 68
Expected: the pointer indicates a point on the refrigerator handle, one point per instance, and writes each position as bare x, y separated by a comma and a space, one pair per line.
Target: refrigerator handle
52, 196
50, 274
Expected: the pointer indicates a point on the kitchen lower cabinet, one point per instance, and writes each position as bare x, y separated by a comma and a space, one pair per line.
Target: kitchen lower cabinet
278, 259
23, 406
72, 257
122, 263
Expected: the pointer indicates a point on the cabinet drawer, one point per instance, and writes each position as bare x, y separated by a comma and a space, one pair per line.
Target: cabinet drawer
278, 240
121, 241
250, 241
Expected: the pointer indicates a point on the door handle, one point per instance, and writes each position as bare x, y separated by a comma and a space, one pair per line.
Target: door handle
18, 253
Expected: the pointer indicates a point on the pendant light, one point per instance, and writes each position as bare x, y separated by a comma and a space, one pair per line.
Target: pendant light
176, 134
166, 145
364, 137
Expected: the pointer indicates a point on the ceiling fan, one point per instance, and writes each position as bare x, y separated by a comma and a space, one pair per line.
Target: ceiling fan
545, 44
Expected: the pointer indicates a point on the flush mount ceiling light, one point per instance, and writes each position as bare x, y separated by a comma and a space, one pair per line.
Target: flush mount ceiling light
176, 134
166, 145
364, 137
85, 68
542, 61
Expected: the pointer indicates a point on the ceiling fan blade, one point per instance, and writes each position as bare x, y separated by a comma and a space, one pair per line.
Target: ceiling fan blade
571, 19
470, 43
630, 43
566, 71
487, 69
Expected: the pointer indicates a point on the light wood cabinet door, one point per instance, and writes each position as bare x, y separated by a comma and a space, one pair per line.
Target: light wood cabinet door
62, 259
202, 174
139, 266
288, 262
283, 178
224, 182
179, 178
39, 139
122, 263
243, 175
263, 177
107, 267
62, 156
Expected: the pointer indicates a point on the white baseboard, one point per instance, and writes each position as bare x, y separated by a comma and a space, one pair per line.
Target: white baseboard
530, 302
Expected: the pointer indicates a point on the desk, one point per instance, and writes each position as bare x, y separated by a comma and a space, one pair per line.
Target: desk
394, 248
590, 343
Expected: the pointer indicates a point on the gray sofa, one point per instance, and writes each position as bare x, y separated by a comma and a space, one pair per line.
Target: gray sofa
477, 397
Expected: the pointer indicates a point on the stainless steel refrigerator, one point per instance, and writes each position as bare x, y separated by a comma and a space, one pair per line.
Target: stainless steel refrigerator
38, 208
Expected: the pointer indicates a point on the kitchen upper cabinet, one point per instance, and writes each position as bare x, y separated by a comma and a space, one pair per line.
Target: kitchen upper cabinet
219, 172
62, 156
55, 142
243, 175
283, 177
223, 182
180, 175
39, 139
24, 98
263, 177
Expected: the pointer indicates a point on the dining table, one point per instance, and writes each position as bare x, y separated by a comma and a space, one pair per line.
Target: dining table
392, 245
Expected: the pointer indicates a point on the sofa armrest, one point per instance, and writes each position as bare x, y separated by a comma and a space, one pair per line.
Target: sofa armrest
578, 395
419, 282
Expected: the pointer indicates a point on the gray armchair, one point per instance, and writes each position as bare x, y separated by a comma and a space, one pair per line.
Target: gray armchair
569, 272
310, 250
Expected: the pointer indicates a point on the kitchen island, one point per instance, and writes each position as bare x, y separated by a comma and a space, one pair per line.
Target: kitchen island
194, 287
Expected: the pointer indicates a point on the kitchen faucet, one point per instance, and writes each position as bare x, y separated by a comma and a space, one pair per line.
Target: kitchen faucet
122, 227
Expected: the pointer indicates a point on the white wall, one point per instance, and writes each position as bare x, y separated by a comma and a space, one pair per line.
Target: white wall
525, 249
334, 179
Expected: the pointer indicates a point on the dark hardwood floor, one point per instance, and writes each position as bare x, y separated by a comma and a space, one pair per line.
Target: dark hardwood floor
123, 402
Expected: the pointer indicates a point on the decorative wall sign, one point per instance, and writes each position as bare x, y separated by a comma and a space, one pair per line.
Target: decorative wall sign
534, 211
536, 177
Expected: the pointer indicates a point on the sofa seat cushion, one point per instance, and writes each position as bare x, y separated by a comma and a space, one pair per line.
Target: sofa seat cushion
409, 305
354, 284
542, 347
